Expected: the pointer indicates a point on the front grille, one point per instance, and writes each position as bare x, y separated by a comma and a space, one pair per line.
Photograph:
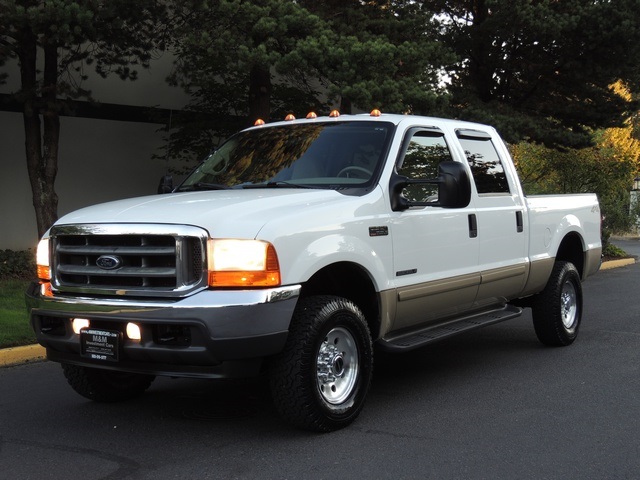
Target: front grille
138, 260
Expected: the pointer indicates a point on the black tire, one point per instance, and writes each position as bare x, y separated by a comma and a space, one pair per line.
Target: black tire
557, 310
105, 385
321, 379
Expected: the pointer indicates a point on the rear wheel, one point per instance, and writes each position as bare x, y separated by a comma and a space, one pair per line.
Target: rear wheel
557, 311
106, 385
321, 379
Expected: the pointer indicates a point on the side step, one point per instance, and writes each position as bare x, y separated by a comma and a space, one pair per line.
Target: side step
417, 338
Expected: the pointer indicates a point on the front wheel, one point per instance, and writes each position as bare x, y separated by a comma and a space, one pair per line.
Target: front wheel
105, 385
557, 311
320, 380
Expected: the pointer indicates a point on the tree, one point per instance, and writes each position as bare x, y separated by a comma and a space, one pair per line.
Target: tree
607, 169
264, 58
53, 42
382, 53
541, 70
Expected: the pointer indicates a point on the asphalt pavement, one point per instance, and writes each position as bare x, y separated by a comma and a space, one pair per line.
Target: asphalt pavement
489, 404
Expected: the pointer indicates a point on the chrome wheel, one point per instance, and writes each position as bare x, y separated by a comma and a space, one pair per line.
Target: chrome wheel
337, 366
321, 378
568, 305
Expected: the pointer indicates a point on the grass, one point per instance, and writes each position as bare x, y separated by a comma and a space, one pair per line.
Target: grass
14, 321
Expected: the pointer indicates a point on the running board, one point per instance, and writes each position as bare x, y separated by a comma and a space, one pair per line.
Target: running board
418, 338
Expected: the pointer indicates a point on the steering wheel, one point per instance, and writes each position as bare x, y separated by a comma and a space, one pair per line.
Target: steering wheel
352, 168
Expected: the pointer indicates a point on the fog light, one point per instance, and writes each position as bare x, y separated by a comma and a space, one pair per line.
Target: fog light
133, 331
78, 324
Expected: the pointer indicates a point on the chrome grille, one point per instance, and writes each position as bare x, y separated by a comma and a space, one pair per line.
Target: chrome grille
136, 260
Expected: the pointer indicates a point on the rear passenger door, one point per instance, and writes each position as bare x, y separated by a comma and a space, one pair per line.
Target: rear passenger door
500, 218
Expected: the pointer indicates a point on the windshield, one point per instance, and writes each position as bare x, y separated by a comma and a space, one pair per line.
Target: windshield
308, 155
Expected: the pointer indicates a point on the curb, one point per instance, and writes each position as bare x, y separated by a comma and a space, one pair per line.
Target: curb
623, 262
35, 353
18, 355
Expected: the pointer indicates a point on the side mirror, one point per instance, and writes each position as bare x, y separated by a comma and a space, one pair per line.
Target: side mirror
454, 188
166, 184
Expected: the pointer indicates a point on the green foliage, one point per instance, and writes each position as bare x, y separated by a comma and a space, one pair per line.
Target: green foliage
612, 251
244, 60
595, 169
14, 321
541, 71
17, 265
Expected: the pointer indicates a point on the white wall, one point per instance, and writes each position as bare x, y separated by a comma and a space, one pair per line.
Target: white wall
99, 160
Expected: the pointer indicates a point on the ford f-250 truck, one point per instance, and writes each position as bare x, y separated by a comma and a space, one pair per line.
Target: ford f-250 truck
296, 247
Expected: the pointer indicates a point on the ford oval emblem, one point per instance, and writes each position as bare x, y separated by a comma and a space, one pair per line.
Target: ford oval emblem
109, 262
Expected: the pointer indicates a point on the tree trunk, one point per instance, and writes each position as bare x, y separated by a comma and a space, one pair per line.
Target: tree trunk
259, 93
42, 168
479, 65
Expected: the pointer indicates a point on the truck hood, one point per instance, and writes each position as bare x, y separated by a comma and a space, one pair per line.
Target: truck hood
224, 213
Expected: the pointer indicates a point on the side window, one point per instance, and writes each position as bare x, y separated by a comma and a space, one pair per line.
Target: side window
486, 167
425, 151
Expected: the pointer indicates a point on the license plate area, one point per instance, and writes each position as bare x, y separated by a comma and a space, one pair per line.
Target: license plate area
100, 344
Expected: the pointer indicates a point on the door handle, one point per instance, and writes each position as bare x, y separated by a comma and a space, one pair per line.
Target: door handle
473, 225
519, 222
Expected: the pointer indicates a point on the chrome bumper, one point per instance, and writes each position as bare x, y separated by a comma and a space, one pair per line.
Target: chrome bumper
224, 330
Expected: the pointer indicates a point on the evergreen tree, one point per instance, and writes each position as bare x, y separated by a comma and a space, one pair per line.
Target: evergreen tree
243, 60
542, 69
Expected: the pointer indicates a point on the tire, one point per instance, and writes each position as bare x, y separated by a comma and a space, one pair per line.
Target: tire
320, 380
557, 311
106, 385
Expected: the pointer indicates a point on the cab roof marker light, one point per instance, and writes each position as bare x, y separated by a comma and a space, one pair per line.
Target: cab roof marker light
289, 117
312, 115
375, 112
334, 114
259, 122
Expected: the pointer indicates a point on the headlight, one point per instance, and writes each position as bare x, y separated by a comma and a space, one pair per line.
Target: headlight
42, 260
242, 263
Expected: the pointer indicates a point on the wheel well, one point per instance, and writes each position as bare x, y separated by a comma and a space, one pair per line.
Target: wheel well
349, 281
571, 250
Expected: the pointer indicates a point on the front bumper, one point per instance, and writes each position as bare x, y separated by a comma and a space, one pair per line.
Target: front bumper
213, 334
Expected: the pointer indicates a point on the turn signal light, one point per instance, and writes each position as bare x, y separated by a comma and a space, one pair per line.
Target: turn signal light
242, 263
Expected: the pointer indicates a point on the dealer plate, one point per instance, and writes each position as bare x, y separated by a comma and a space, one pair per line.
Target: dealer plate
99, 344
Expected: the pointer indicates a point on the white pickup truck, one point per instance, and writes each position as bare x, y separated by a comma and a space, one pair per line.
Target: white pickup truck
296, 247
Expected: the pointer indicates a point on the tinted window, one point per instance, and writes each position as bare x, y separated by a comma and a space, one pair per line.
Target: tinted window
330, 155
486, 167
424, 152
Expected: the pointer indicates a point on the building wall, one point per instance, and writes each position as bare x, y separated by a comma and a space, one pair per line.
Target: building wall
99, 161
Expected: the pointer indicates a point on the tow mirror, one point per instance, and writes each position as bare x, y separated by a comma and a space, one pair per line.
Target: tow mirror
453, 185
166, 184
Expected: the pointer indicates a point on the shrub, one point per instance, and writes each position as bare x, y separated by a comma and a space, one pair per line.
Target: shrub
19, 265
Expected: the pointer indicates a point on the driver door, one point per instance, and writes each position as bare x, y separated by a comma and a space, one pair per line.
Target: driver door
435, 250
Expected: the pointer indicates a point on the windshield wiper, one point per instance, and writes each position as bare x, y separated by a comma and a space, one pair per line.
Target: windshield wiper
279, 184
204, 186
